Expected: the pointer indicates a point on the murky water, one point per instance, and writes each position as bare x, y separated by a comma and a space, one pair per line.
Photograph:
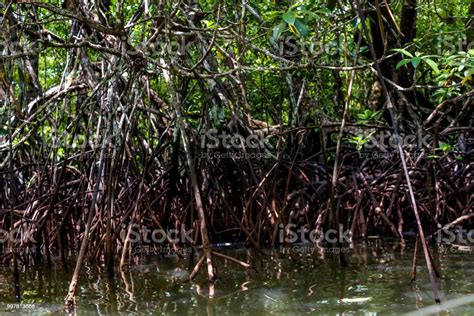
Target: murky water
376, 282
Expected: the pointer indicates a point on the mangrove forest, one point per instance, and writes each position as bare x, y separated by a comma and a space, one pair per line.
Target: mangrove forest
236, 157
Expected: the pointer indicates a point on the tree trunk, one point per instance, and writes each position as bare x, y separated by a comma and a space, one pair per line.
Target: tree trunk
408, 21
470, 28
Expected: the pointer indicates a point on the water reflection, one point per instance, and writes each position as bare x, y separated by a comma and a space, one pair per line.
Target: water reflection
377, 281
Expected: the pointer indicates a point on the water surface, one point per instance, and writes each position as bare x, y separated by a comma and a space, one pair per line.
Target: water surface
376, 282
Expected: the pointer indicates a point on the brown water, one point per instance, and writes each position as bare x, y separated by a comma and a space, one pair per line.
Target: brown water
376, 282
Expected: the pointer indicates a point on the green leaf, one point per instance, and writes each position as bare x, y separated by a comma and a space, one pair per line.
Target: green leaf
309, 14
404, 52
403, 63
297, 4
432, 64
452, 57
293, 29
415, 61
289, 17
278, 30
430, 56
325, 11
270, 15
301, 27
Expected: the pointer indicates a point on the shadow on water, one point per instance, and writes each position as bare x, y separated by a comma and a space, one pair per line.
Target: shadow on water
376, 282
